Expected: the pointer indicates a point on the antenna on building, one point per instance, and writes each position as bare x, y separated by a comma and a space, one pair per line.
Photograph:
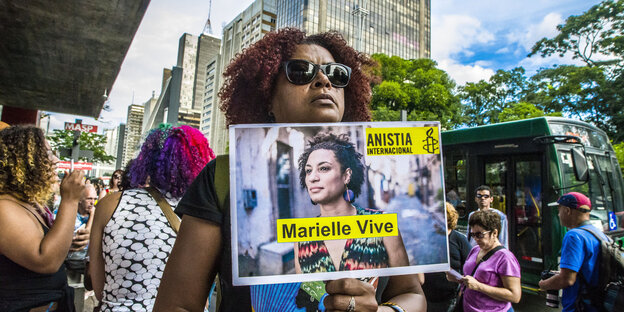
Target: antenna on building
360, 12
132, 96
208, 26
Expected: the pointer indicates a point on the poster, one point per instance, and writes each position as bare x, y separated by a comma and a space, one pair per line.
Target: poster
293, 219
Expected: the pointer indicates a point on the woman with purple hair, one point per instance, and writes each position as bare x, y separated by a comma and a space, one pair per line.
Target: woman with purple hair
131, 237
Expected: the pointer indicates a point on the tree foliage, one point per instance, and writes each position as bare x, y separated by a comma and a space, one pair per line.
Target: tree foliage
88, 141
595, 33
416, 86
593, 92
485, 100
523, 110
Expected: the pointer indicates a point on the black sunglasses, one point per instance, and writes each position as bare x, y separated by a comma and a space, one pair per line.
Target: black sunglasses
486, 196
478, 235
302, 72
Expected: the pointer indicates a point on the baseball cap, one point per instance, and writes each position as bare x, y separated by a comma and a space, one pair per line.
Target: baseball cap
574, 200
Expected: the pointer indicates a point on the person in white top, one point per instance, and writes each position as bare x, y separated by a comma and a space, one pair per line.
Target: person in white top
483, 197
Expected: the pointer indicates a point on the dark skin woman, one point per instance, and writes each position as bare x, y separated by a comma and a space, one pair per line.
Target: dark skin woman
282, 78
32, 249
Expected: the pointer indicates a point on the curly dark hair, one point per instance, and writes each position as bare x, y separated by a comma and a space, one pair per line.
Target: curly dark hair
487, 219
118, 172
27, 172
344, 151
250, 78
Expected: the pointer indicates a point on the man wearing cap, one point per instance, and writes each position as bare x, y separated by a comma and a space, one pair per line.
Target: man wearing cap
579, 251
483, 198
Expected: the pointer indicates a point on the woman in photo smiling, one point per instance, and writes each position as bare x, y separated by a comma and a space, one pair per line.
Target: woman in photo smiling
332, 172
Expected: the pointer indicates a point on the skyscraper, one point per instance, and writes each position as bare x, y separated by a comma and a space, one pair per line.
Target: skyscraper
132, 135
393, 27
193, 56
246, 28
213, 72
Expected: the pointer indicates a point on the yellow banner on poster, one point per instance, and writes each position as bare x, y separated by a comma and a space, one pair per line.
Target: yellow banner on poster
402, 141
329, 228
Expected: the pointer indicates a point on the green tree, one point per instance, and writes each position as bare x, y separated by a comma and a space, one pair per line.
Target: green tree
595, 33
619, 154
88, 141
416, 86
522, 110
485, 100
594, 92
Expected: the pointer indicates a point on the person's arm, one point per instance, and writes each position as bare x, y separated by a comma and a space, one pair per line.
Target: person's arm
103, 213
565, 278
464, 250
505, 232
191, 267
397, 256
81, 238
22, 240
511, 290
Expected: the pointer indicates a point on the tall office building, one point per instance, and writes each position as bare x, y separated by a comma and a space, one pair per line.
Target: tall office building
148, 107
132, 136
193, 55
393, 27
121, 135
213, 74
248, 27
112, 138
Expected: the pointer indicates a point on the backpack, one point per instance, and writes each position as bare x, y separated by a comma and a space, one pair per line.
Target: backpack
608, 295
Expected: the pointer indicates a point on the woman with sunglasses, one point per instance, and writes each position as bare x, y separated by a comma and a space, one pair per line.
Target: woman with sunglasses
286, 77
114, 185
491, 279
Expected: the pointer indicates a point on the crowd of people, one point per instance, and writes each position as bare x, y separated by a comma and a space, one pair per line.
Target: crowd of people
159, 234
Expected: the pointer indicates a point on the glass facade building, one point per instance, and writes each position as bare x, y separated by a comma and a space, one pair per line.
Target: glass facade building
393, 27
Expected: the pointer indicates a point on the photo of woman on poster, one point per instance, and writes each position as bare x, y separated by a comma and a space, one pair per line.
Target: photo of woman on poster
332, 172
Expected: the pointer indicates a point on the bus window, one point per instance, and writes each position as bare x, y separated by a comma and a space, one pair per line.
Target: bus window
455, 182
600, 189
495, 178
567, 171
527, 210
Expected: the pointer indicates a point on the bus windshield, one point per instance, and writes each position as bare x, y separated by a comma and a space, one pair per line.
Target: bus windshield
604, 185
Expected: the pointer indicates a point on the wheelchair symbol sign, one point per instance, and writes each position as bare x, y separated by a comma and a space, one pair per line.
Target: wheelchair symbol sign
612, 221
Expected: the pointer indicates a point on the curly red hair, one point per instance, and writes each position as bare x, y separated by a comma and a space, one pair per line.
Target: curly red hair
250, 78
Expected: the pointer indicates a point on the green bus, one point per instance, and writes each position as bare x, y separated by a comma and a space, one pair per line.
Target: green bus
529, 164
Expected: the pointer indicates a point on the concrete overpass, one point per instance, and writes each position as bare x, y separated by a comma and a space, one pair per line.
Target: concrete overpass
62, 56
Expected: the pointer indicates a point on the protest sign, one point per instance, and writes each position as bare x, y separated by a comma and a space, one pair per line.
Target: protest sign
293, 219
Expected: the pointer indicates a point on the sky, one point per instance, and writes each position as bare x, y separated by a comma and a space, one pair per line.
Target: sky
470, 40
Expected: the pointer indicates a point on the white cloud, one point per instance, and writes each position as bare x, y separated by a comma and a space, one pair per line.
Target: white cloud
452, 34
504, 50
528, 36
465, 73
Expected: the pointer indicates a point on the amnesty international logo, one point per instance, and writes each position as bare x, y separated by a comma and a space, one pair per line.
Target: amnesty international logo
402, 141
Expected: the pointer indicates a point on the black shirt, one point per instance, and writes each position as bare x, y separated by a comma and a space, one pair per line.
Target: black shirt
200, 201
436, 287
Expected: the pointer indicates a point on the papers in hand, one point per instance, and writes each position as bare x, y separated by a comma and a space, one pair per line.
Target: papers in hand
455, 274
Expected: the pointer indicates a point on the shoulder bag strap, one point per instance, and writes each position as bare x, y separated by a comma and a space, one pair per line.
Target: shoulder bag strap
174, 222
486, 257
222, 180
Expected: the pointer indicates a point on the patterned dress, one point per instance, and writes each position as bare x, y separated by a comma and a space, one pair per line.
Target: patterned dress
359, 253
136, 244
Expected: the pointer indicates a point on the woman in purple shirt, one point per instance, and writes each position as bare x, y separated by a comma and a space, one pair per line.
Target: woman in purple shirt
495, 284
